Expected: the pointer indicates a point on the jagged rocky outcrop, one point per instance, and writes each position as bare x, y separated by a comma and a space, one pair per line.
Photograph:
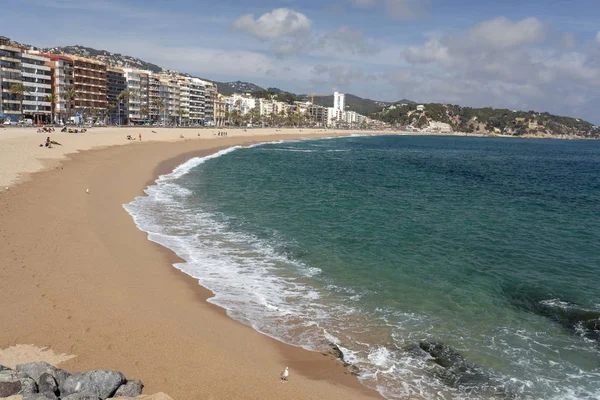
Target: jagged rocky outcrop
42, 381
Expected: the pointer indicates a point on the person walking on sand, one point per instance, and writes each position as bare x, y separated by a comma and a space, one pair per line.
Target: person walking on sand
140, 135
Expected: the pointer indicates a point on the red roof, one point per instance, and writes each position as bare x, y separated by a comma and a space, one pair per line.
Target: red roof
56, 57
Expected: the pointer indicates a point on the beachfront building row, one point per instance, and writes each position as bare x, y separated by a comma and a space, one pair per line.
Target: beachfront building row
61, 88
18, 68
168, 99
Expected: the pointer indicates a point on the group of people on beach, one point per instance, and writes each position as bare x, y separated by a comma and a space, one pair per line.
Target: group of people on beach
65, 129
222, 134
45, 129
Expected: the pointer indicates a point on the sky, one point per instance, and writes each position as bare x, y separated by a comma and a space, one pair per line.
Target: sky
541, 55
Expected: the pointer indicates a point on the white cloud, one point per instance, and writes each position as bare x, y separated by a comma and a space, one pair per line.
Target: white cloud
279, 23
502, 63
432, 51
501, 33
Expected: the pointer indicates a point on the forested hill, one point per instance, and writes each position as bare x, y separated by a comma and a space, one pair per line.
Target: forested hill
488, 120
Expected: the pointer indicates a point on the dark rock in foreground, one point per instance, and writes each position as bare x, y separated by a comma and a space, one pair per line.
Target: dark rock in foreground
455, 371
101, 383
42, 381
130, 389
47, 383
13, 382
37, 369
9, 388
335, 351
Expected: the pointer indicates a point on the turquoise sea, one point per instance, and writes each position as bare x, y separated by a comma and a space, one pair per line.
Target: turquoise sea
450, 267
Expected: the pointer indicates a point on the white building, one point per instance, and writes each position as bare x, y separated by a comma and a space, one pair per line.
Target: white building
435, 126
267, 107
37, 79
339, 101
334, 115
242, 103
420, 107
139, 92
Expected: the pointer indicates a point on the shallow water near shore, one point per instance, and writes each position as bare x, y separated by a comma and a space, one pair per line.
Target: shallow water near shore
388, 245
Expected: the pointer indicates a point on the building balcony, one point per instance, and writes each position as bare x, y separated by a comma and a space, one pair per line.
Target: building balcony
34, 103
36, 75
36, 85
9, 58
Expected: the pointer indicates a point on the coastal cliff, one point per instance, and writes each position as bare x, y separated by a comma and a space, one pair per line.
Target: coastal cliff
487, 121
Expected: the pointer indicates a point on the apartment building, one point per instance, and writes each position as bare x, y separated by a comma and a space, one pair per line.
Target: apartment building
317, 114
90, 84
144, 97
210, 95
197, 101
339, 101
169, 94
184, 100
115, 84
62, 77
138, 84
220, 107
154, 102
36, 76
10, 73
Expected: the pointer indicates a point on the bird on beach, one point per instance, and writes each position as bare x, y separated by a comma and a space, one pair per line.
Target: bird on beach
6, 188
87, 191
285, 374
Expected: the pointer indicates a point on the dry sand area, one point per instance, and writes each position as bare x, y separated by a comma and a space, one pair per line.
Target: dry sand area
82, 287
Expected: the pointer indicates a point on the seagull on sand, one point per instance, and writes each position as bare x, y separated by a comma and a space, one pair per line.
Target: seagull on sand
87, 191
285, 374
6, 188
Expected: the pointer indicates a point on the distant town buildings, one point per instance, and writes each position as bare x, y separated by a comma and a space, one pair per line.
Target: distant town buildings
68, 88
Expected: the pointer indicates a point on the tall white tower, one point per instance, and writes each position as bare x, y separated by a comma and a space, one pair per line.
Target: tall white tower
339, 101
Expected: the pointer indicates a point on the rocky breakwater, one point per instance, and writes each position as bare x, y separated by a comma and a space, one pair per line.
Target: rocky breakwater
42, 381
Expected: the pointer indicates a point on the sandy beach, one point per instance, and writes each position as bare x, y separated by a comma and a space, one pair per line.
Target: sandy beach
80, 279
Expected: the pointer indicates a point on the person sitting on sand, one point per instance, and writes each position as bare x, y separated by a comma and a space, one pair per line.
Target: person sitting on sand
48, 142
181, 137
